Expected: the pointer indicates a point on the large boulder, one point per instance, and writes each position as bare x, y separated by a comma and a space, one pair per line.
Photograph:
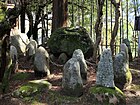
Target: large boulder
41, 62
72, 82
122, 74
78, 54
105, 73
66, 40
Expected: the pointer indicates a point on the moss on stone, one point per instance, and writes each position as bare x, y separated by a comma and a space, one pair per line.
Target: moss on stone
123, 79
32, 88
102, 95
66, 40
100, 89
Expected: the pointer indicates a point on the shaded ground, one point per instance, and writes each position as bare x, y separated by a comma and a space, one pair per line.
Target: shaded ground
54, 96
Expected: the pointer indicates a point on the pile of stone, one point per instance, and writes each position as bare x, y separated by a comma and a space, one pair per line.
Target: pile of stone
20, 45
105, 90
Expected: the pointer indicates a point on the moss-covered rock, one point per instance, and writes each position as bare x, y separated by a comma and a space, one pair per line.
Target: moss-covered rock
32, 88
122, 74
106, 96
122, 80
66, 40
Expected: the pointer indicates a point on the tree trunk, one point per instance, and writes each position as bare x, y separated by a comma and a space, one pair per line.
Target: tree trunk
22, 18
5, 46
98, 27
60, 15
37, 21
30, 17
116, 26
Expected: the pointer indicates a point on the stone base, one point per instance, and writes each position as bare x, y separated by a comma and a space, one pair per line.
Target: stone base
76, 92
99, 95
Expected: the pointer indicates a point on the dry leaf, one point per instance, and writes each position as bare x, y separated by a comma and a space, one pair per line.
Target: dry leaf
99, 97
113, 100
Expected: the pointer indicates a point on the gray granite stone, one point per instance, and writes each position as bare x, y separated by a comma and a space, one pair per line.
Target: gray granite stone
105, 75
41, 62
78, 54
122, 74
72, 82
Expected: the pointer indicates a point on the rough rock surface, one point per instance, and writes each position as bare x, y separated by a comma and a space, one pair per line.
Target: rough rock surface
72, 82
31, 48
41, 62
122, 74
78, 54
19, 40
67, 40
105, 74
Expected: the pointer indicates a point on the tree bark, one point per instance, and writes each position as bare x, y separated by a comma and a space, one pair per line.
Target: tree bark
98, 27
5, 49
30, 17
116, 26
22, 17
37, 21
60, 14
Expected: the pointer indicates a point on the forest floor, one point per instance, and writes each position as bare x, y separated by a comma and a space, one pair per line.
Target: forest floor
55, 97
